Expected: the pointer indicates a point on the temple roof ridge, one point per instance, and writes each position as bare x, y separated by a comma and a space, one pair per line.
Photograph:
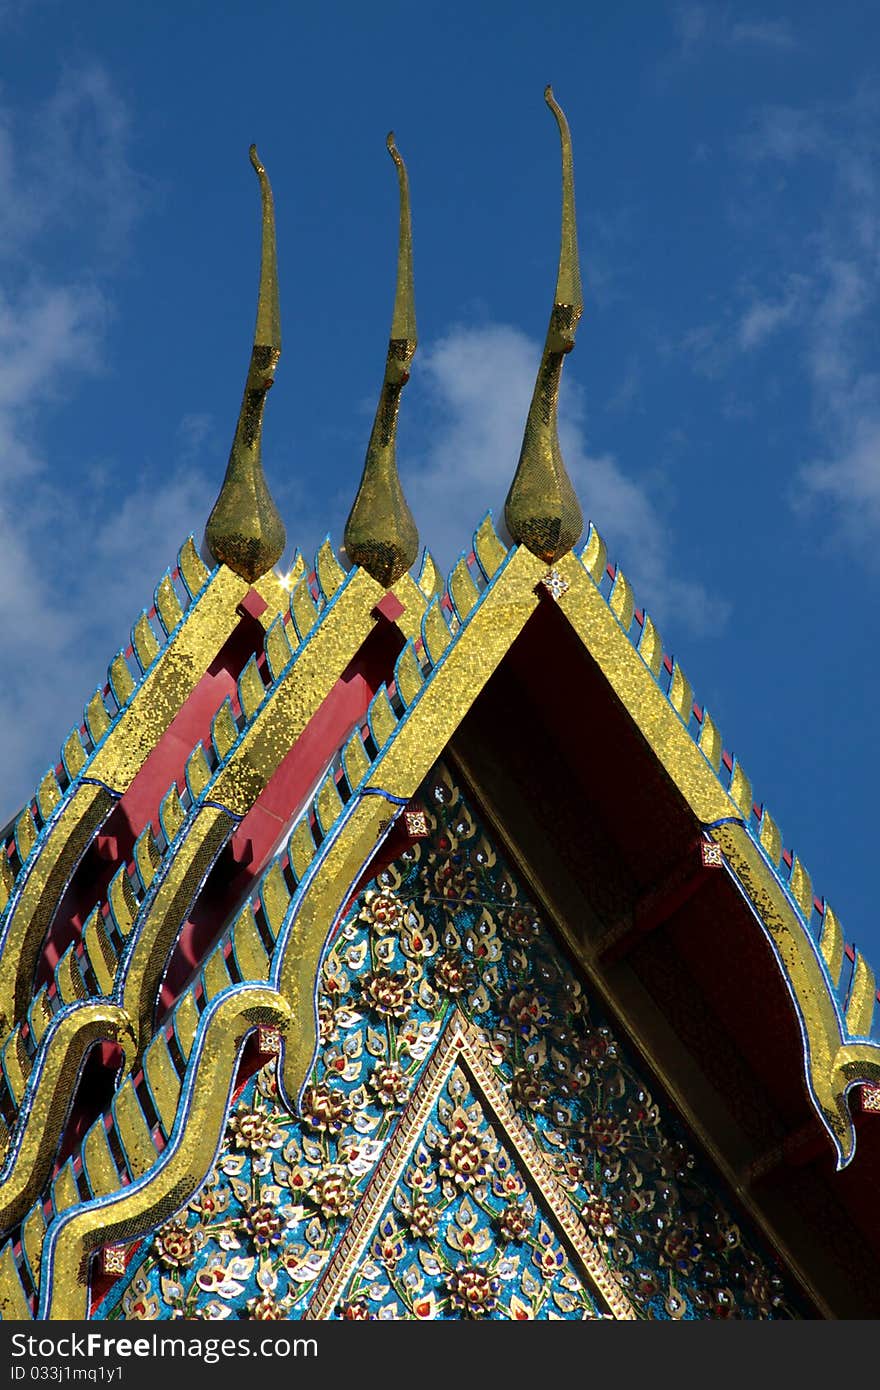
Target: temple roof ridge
364, 787
278, 728
815, 912
151, 633
306, 598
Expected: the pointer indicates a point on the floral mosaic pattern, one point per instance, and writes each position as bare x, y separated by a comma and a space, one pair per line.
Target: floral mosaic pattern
464, 1235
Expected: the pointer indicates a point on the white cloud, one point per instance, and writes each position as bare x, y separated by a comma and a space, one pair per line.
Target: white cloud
48, 333
828, 300
692, 26
783, 133
745, 326
135, 542
851, 479
479, 382
697, 26
768, 33
63, 168
762, 319
626, 397
65, 621
841, 147
194, 431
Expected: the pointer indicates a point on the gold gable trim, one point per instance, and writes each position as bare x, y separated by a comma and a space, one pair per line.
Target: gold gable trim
444, 673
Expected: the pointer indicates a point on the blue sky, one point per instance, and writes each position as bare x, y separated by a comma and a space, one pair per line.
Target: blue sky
720, 414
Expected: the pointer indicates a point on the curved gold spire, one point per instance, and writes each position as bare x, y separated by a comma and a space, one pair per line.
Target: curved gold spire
380, 533
245, 530
542, 510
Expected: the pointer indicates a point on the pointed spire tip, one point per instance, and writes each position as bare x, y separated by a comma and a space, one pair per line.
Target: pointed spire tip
542, 510
244, 529
391, 146
380, 533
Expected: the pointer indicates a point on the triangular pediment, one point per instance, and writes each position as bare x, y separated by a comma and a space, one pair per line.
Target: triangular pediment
455, 1032
462, 1217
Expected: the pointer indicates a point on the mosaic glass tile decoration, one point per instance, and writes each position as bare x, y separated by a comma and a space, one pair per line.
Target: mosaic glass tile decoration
475, 1140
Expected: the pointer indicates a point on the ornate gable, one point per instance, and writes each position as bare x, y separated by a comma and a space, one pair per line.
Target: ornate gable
474, 1139
290, 1022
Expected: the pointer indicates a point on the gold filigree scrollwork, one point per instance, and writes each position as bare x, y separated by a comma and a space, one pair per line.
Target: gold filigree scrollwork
135, 1210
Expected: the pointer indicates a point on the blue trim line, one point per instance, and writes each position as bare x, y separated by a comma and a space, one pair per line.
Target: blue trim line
171, 1149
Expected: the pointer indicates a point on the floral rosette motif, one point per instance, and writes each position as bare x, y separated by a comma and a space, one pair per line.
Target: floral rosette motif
464, 1235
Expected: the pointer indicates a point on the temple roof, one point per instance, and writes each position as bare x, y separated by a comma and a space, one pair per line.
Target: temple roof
263, 965
172, 886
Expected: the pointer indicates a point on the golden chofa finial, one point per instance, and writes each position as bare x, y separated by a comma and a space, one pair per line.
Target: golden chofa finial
542, 511
245, 530
380, 533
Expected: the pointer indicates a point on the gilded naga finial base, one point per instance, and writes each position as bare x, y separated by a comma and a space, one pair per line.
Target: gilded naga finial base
245, 530
542, 511
381, 533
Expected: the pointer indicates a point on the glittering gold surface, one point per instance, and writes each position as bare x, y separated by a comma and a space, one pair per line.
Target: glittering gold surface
161, 923
621, 601
651, 647
831, 943
180, 1169
341, 631
98, 1162
475, 653
431, 721
170, 682
283, 717
245, 530
16, 1066
771, 838
430, 579
414, 605
7, 880
862, 999
275, 589
68, 978
620, 663
542, 510
33, 1231
831, 1063
320, 905
163, 1081
32, 913
36, 1143
265, 744
13, 1304
65, 1193
133, 1131
435, 708
380, 533
489, 550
